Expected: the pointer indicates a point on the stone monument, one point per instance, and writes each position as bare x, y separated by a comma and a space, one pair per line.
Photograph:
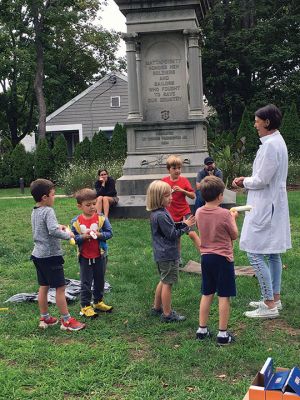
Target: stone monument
165, 90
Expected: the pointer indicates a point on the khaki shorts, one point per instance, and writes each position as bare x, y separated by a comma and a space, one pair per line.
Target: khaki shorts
168, 271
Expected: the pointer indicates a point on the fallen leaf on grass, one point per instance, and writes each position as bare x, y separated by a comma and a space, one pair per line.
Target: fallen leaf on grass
222, 376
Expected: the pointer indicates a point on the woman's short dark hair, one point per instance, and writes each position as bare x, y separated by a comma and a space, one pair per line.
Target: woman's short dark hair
272, 113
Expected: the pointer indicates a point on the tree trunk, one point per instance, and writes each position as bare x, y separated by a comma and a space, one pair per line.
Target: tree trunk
38, 22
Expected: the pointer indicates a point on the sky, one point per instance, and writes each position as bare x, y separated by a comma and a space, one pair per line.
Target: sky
112, 18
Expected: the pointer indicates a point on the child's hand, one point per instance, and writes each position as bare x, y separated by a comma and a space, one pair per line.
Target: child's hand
85, 236
190, 221
177, 189
71, 234
234, 213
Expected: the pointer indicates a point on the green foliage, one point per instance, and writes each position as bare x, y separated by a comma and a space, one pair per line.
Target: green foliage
82, 174
248, 134
22, 165
60, 153
294, 172
43, 165
232, 164
250, 57
82, 151
118, 144
6, 171
100, 149
290, 130
77, 52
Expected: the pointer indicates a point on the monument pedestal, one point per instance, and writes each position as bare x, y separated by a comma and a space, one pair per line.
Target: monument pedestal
165, 93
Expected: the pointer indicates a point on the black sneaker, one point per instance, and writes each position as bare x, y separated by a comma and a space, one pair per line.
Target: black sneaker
173, 317
156, 312
224, 341
202, 336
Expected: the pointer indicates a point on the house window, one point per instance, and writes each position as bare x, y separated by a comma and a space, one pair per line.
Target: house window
115, 101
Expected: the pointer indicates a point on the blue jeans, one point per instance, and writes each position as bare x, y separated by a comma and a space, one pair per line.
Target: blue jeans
268, 270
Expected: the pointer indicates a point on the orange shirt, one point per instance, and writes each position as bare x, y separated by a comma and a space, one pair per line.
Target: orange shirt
217, 230
179, 207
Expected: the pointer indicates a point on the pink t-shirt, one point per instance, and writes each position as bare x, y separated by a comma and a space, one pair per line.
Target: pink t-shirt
217, 230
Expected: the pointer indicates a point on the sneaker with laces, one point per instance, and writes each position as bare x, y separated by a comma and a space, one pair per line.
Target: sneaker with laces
256, 304
173, 317
102, 307
202, 336
263, 311
88, 312
71, 325
44, 323
156, 312
224, 341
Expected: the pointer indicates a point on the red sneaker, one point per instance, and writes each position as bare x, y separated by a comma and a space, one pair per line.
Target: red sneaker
71, 325
44, 323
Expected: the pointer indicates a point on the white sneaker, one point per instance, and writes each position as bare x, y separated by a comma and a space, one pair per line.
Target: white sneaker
263, 311
256, 304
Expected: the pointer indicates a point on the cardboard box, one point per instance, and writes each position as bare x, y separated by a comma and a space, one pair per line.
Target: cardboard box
284, 384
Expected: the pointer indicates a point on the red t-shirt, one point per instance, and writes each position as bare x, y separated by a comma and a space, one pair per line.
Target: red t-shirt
179, 207
217, 230
90, 248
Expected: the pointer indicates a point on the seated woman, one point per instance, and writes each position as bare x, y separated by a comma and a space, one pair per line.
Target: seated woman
106, 192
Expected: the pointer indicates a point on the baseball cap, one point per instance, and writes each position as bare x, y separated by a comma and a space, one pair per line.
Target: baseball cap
208, 160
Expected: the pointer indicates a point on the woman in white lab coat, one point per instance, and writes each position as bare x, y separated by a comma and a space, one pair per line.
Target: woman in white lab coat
266, 229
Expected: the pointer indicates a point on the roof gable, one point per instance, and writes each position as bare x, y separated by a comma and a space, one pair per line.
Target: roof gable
84, 93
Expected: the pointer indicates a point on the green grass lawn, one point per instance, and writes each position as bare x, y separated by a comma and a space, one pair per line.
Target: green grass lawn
129, 354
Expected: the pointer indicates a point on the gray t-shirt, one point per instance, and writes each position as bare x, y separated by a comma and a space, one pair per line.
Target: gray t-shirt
46, 233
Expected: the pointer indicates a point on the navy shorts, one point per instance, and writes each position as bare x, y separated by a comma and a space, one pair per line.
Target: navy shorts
217, 276
50, 271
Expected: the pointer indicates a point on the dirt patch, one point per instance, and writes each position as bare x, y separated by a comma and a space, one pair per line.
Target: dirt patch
140, 349
275, 324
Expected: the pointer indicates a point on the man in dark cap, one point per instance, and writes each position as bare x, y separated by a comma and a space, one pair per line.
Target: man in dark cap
209, 169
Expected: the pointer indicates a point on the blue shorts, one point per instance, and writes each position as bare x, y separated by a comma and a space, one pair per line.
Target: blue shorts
217, 276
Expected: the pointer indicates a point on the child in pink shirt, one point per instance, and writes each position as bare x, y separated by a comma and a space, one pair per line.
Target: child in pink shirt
217, 228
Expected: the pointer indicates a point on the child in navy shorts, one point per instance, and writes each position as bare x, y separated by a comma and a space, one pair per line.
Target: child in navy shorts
217, 228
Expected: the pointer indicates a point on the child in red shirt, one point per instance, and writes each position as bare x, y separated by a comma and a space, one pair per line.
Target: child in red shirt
181, 188
217, 228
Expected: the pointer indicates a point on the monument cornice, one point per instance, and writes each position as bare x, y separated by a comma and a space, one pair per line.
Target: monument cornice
128, 6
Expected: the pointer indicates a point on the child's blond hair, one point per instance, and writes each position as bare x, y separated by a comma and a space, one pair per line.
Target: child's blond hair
173, 161
85, 194
155, 194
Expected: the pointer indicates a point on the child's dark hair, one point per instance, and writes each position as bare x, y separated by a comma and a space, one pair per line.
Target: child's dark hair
211, 187
173, 161
40, 188
85, 194
271, 114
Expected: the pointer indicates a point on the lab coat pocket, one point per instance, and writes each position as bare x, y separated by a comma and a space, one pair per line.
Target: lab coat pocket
262, 217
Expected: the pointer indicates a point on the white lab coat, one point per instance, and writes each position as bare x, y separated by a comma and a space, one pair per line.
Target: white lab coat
266, 228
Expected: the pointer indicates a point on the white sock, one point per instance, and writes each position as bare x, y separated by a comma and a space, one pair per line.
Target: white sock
202, 329
222, 334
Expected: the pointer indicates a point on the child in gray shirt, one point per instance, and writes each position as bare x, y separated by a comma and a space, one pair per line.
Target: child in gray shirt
47, 255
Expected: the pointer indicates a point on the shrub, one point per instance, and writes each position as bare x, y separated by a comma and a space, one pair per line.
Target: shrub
22, 165
118, 144
43, 166
82, 151
248, 134
6, 175
100, 149
83, 174
294, 172
60, 153
290, 128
